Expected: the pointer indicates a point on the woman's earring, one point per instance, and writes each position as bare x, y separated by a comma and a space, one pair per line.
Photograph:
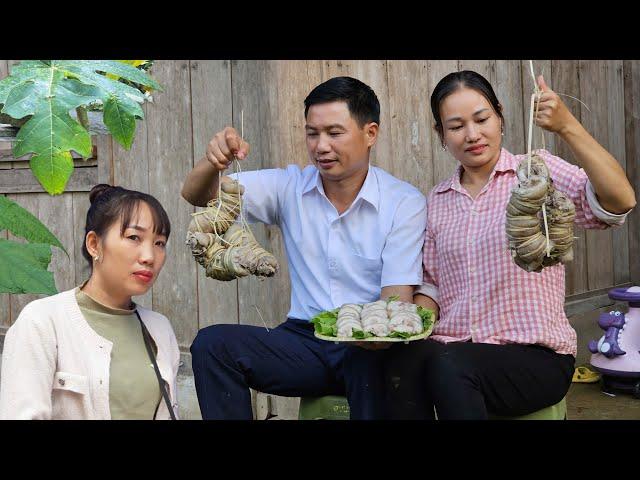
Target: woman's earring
96, 258
444, 147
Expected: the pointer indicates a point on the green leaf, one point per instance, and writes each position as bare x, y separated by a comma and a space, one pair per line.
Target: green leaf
46, 91
426, 316
52, 169
121, 124
7, 85
114, 67
361, 335
21, 99
328, 330
23, 224
400, 334
325, 322
23, 268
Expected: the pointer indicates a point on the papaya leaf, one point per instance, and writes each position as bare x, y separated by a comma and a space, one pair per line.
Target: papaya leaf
23, 224
46, 91
134, 63
121, 124
23, 268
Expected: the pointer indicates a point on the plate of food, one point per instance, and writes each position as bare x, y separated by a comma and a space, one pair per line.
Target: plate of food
381, 321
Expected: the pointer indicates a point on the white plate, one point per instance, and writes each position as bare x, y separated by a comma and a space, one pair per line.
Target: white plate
420, 336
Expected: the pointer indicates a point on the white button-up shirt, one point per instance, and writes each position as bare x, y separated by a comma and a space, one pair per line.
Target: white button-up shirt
336, 259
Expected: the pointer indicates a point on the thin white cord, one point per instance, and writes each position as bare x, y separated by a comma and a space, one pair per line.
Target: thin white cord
546, 229
264, 323
585, 105
530, 137
239, 169
537, 93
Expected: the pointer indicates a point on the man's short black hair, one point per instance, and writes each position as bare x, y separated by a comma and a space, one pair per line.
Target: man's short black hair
361, 100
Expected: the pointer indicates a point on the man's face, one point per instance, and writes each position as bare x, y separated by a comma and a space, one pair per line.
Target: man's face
337, 145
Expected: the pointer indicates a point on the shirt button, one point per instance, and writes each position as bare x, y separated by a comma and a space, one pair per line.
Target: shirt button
472, 269
475, 299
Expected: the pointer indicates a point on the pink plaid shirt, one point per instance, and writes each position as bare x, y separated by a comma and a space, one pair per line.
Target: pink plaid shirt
482, 294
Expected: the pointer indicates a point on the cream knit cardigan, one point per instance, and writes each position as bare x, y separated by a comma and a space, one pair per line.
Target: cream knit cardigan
55, 366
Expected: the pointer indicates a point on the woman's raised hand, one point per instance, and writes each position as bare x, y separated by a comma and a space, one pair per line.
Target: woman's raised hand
552, 114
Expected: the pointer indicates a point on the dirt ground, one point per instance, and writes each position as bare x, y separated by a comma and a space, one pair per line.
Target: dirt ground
586, 401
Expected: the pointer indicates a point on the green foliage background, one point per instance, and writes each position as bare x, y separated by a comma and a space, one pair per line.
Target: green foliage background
45, 91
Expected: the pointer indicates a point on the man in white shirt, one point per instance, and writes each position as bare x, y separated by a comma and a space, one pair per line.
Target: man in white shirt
353, 234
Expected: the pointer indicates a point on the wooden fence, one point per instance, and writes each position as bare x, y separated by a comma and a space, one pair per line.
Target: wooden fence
201, 97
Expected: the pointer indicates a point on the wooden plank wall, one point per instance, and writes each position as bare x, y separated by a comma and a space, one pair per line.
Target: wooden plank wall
201, 97
631, 74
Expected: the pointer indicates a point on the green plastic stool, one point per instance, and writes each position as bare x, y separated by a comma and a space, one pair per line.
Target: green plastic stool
554, 412
333, 407
330, 407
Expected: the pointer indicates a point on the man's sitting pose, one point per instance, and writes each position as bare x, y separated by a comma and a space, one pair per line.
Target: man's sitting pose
353, 234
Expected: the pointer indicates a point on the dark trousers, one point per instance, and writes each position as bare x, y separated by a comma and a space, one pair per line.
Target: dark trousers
465, 380
287, 361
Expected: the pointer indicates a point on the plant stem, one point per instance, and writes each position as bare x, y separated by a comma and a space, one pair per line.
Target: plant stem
83, 118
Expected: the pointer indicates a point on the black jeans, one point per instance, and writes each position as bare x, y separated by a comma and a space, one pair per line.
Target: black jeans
465, 380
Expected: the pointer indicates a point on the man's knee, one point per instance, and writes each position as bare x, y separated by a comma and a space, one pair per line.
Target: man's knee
211, 340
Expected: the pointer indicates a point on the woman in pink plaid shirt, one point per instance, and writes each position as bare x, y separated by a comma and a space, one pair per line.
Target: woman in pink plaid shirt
502, 343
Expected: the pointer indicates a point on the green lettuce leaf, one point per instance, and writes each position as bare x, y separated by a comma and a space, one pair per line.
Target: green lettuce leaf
400, 334
325, 322
360, 335
426, 316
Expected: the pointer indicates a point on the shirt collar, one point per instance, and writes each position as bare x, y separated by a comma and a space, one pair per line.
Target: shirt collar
506, 162
368, 192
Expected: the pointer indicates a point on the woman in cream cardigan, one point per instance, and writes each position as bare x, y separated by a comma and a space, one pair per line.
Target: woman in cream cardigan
90, 352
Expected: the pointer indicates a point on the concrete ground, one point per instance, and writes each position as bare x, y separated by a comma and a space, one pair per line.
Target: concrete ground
584, 401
